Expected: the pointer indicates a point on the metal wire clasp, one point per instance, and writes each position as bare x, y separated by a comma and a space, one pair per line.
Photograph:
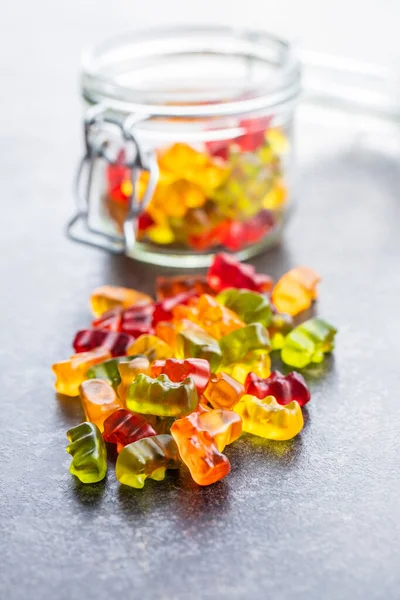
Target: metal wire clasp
89, 225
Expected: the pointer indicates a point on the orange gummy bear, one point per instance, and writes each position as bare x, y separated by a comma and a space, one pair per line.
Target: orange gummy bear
224, 425
70, 373
295, 291
223, 391
216, 319
99, 401
199, 450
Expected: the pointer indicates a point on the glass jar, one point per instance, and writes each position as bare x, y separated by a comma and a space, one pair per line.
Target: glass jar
189, 144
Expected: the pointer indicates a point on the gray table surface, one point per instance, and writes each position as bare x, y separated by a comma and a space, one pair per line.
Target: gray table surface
316, 517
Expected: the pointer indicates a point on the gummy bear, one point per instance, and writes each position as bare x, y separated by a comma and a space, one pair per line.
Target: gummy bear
295, 291
225, 426
161, 396
108, 370
280, 326
146, 458
285, 388
251, 307
210, 315
237, 345
178, 370
88, 339
123, 427
268, 419
70, 373
88, 451
107, 297
128, 371
223, 391
99, 400
307, 343
193, 342
167, 287
199, 451
227, 272
151, 346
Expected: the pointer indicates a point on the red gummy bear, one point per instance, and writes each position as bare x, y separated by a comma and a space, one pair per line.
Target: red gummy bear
163, 308
227, 272
242, 233
138, 320
177, 370
123, 427
89, 339
285, 388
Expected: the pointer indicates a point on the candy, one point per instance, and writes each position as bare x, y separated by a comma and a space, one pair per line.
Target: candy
147, 458
178, 370
70, 373
88, 451
160, 424
225, 426
193, 342
295, 291
239, 234
106, 297
161, 396
163, 310
199, 451
268, 419
151, 346
109, 321
137, 320
123, 427
171, 286
280, 326
228, 193
227, 272
258, 362
180, 378
108, 370
128, 371
285, 388
251, 307
223, 391
99, 400
210, 315
236, 346
308, 343
88, 339
167, 332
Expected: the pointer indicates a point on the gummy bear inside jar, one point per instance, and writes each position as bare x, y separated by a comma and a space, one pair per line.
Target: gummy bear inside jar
216, 196
215, 107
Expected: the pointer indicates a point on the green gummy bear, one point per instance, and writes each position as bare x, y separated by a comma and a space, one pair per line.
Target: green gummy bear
161, 396
108, 370
193, 342
147, 458
279, 327
88, 451
307, 343
239, 343
251, 307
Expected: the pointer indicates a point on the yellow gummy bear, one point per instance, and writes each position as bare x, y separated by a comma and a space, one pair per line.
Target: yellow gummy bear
268, 419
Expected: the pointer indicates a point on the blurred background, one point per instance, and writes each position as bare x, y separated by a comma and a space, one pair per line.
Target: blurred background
41, 44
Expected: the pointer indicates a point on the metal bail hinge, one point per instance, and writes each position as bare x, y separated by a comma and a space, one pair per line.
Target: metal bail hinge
89, 225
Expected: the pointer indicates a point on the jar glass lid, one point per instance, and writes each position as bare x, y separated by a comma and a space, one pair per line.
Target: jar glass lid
191, 73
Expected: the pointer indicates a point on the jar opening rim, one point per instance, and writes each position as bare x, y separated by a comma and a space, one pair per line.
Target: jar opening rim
251, 71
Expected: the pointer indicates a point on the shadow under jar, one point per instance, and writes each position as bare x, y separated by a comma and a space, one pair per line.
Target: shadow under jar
188, 144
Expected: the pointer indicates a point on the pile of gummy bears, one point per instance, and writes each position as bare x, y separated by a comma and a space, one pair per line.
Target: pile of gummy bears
175, 380
230, 194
